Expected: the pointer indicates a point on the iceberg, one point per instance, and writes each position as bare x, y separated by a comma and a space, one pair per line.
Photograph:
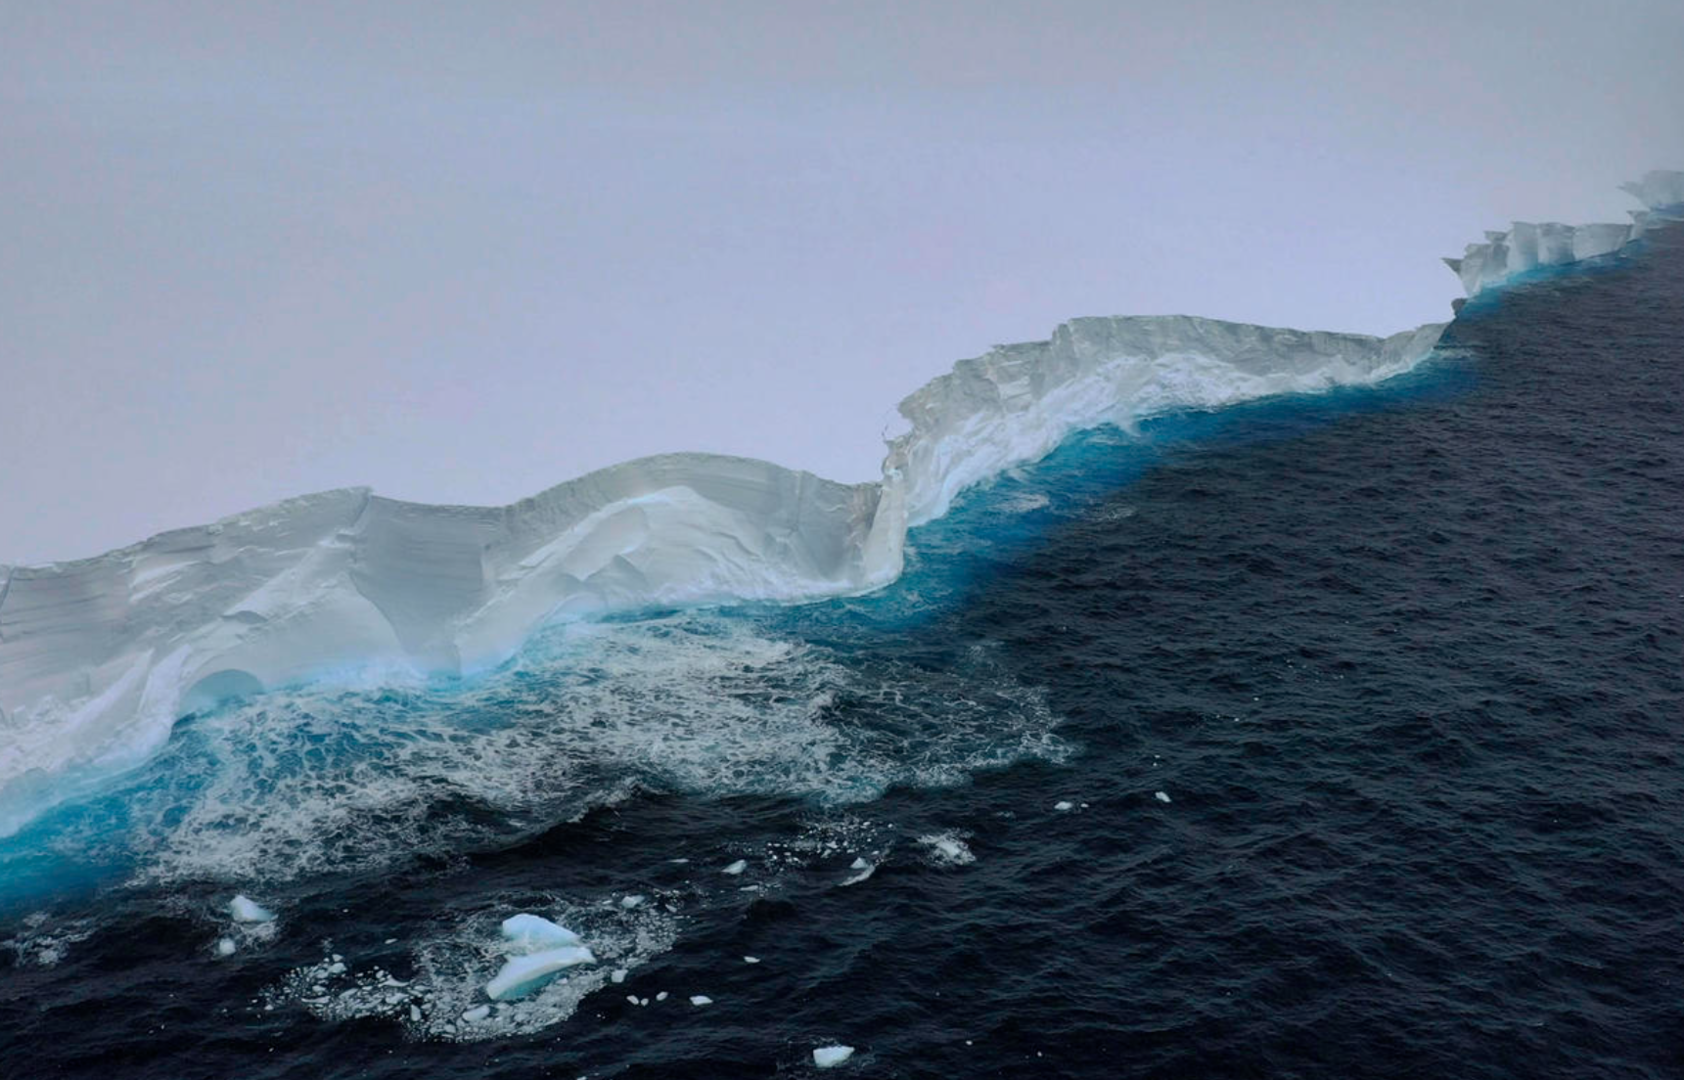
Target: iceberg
530, 933
246, 910
1527, 247
828, 1057
100, 657
523, 974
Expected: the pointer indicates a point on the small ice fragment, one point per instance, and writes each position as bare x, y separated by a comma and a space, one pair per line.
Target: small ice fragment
632, 998
533, 933
826, 1057
336, 968
1062, 804
858, 864
523, 973
629, 902
246, 910
662, 996
414, 1014
1161, 796
477, 1013
751, 959
618, 975
643, 1001
678, 862
225, 947
391, 941
700, 999
736, 868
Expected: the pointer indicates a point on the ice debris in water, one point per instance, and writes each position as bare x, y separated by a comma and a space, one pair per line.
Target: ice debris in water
225, 947
618, 976
736, 868
826, 1057
751, 959
246, 910
1063, 804
448, 986
947, 849
1161, 796
700, 999
862, 870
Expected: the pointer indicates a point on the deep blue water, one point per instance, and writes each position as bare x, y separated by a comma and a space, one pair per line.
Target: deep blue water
1408, 664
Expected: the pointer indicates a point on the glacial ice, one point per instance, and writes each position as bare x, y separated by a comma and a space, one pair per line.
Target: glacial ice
827, 1057
1526, 247
523, 974
99, 657
243, 909
530, 933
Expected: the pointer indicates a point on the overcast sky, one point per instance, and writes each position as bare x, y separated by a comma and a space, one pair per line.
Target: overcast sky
461, 252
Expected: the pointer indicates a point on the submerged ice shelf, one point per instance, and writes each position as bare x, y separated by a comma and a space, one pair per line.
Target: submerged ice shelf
100, 657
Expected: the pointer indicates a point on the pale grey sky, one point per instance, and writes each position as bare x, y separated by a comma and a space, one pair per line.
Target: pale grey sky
461, 252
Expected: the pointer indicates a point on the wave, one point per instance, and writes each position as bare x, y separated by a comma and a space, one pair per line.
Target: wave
100, 657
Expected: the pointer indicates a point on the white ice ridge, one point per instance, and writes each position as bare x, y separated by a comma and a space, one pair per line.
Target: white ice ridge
100, 657
1526, 246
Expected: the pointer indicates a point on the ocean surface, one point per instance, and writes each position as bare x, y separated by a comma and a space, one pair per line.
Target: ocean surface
1332, 736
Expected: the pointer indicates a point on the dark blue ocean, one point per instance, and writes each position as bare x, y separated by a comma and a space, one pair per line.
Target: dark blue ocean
1334, 736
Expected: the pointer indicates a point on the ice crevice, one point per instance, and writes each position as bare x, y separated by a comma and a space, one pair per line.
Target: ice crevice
100, 657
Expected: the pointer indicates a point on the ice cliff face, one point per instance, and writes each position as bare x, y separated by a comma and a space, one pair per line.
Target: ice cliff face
100, 657
1526, 247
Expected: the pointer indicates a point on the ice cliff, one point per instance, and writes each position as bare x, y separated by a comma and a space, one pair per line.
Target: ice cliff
100, 657
1527, 247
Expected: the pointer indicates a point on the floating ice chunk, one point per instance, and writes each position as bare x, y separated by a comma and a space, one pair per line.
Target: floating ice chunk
631, 999
736, 868
523, 973
751, 959
700, 999
827, 1057
863, 870
859, 863
477, 1013
1063, 804
246, 910
629, 902
1161, 796
225, 947
662, 996
532, 933
618, 975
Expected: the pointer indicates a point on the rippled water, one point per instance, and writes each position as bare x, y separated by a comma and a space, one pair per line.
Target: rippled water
1363, 711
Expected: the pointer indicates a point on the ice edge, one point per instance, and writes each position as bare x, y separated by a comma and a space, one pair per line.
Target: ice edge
100, 656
